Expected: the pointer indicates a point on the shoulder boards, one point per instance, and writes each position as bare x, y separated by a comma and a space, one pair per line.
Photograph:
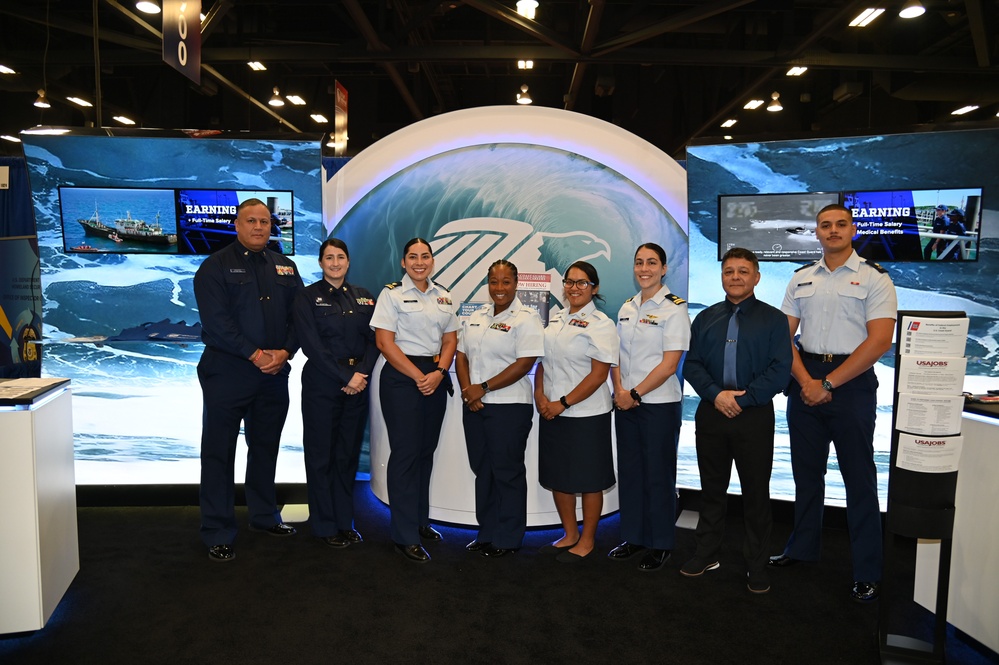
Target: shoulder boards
630, 299
393, 285
875, 266
441, 287
677, 300
807, 265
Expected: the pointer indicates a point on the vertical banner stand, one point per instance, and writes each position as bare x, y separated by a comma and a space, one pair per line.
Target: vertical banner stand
920, 506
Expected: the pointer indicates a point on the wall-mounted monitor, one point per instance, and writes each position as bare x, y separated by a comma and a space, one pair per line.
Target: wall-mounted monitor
118, 220
916, 224
776, 227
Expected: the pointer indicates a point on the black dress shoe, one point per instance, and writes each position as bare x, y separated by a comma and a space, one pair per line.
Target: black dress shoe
781, 561
430, 533
477, 546
571, 557
352, 536
496, 552
625, 551
221, 553
551, 548
653, 560
413, 552
278, 529
865, 592
337, 541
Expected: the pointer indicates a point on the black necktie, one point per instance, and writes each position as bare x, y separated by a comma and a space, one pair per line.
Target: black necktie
731, 343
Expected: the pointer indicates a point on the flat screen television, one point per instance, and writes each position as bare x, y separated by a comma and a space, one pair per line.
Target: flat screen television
120, 220
916, 224
775, 227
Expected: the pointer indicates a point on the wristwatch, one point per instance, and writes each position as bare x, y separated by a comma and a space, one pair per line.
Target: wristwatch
635, 396
442, 370
828, 387
563, 402
485, 386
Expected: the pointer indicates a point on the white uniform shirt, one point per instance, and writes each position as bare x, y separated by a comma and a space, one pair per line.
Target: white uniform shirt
647, 330
493, 343
834, 307
418, 319
571, 340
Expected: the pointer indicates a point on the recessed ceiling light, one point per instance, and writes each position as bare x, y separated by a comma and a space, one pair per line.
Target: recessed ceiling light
912, 9
730, 122
80, 102
753, 104
4, 69
148, 7
797, 71
525, 64
125, 120
257, 66
964, 109
295, 99
866, 17
727, 137
319, 117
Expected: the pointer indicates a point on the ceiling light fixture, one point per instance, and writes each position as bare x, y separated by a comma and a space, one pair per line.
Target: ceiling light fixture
727, 137
275, 99
80, 102
12, 139
797, 71
866, 17
525, 64
42, 102
125, 120
44, 130
729, 123
527, 8
4, 69
257, 66
964, 109
775, 104
912, 9
523, 97
753, 104
295, 99
319, 117
148, 7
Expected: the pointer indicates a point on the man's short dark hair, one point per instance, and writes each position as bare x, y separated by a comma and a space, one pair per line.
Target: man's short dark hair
835, 206
250, 202
742, 253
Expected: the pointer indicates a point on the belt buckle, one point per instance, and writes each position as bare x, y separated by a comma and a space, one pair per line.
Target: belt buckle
827, 357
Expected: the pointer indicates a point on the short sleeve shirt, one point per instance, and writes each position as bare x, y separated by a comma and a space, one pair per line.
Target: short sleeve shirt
647, 330
419, 319
571, 341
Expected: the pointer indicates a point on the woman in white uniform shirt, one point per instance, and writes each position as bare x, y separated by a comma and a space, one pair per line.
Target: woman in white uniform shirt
416, 330
655, 331
574, 402
498, 346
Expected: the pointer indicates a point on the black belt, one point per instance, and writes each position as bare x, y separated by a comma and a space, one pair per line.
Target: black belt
349, 362
424, 359
823, 357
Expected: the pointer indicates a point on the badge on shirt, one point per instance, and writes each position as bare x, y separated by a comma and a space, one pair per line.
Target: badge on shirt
625, 318
578, 323
410, 301
500, 326
801, 284
365, 301
284, 271
443, 300
649, 321
238, 271
322, 303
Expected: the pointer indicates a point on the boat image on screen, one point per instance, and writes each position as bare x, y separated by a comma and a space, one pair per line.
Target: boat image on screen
127, 230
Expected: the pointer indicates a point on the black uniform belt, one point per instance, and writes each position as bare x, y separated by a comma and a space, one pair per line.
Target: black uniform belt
349, 362
424, 359
823, 357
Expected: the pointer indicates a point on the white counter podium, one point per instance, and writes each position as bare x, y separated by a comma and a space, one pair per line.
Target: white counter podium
39, 550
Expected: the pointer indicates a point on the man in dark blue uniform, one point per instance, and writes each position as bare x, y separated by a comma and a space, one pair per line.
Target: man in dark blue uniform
739, 358
245, 294
939, 226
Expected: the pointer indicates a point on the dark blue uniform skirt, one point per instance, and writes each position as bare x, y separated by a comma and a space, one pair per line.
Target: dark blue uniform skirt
574, 454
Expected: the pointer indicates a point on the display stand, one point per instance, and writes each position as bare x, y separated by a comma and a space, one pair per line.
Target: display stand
922, 486
39, 549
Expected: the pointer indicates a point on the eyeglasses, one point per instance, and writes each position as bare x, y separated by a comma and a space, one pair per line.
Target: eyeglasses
578, 283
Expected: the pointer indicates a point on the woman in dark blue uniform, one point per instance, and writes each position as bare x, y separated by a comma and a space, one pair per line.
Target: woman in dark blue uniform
332, 318
417, 331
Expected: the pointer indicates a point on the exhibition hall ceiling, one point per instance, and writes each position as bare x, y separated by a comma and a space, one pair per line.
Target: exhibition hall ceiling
671, 72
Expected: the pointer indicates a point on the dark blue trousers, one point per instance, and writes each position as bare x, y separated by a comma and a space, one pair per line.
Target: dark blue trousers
234, 392
847, 421
413, 421
647, 438
332, 433
496, 440
747, 440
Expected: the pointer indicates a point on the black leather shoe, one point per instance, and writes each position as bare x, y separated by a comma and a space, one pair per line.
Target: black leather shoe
278, 529
221, 553
337, 541
477, 546
551, 548
413, 552
625, 551
781, 561
653, 560
352, 536
430, 533
496, 552
865, 592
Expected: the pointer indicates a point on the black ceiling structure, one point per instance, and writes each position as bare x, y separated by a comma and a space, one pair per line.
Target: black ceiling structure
669, 71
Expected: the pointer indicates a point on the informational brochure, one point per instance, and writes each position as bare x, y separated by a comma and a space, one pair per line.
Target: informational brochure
931, 375
932, 336
929, 454
533, 289
929, 415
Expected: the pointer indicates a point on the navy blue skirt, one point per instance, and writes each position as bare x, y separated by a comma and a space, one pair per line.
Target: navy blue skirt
574, 454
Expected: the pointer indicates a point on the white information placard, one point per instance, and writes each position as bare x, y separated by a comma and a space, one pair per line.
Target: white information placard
929, 454
933, 336
925, 375
930, 415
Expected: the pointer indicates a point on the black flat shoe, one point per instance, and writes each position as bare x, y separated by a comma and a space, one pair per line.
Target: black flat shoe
352, 536
477, 546
221, 553
865, 592
653, 560
413, 553
430, 533
337, 541
625, 551
571, 557
278, 529
496, 552
550, 548
781, 561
